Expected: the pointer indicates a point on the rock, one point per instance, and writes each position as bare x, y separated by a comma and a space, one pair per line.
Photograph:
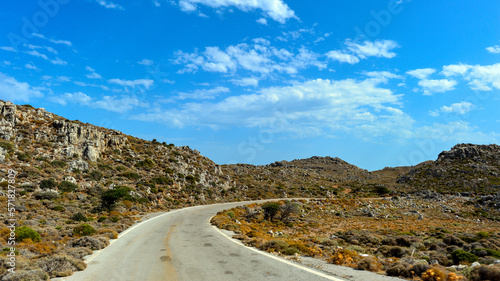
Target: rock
78, 164
474, 264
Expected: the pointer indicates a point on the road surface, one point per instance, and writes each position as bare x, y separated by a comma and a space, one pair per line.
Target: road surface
181, 245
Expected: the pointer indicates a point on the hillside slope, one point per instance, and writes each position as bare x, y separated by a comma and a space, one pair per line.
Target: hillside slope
464, 168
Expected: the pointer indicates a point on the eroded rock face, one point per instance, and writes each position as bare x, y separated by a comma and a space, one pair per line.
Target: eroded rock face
478, 153
7, 120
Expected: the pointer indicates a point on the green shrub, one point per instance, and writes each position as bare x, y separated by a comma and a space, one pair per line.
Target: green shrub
114, 218
7, 146
25, 232
101, 219
274, 246
230, 214
48, 184
459, 256
95, 175
79, 217
84, 230
58, 208
270, 210
146, 163
162, 180
290, 251
25, 157
110, 197
66, 186
381, 190
59, 164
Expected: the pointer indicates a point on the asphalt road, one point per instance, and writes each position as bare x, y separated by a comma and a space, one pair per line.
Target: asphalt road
183, 245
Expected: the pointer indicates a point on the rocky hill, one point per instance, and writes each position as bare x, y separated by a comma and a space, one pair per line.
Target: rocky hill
465, 168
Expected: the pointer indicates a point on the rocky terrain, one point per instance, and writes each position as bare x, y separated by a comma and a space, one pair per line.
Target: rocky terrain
75, 185
465, 168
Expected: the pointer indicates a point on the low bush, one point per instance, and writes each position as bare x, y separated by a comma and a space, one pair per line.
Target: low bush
461, 256
66, 186
84, 230
48, 184
485, 272
79, 217
370, 264
270, 210
401, 269
25, 232
433, 274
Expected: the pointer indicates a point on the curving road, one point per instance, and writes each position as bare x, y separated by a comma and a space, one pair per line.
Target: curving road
183, 245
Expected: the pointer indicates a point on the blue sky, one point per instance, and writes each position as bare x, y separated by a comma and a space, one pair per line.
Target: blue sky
376, 83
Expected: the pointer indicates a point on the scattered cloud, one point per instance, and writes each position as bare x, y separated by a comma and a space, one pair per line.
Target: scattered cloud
494, 49
340, 106
245, 82
63, 42
203, 94
13, 90
116, 104
146, 83
146, 62
354, 52
458, 132
8, 49
340, 56
262, 21
378, 48
421, 73
31, 66
459, 108
431, 86
256, 57
480, 77
92, 74
109, 4
275, 9
37, 54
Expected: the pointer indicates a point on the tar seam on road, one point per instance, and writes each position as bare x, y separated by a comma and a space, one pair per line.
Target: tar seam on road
172, 275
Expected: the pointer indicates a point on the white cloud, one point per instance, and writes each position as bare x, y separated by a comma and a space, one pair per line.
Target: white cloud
341, 106
93, 75
340, 56
37, 54
459, 108
75, 98
63, 42
382, 76
146, 83
494, 49
109, 4
480, 77
431, 86
354, 51
146, 62
13, 90
262, 21
30, 66
109, 103
457, 132
118, 104
421, 73
378, 48
275, 9
257, 57
455, 69
8, 49
58, 61
203, 94
244, 82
